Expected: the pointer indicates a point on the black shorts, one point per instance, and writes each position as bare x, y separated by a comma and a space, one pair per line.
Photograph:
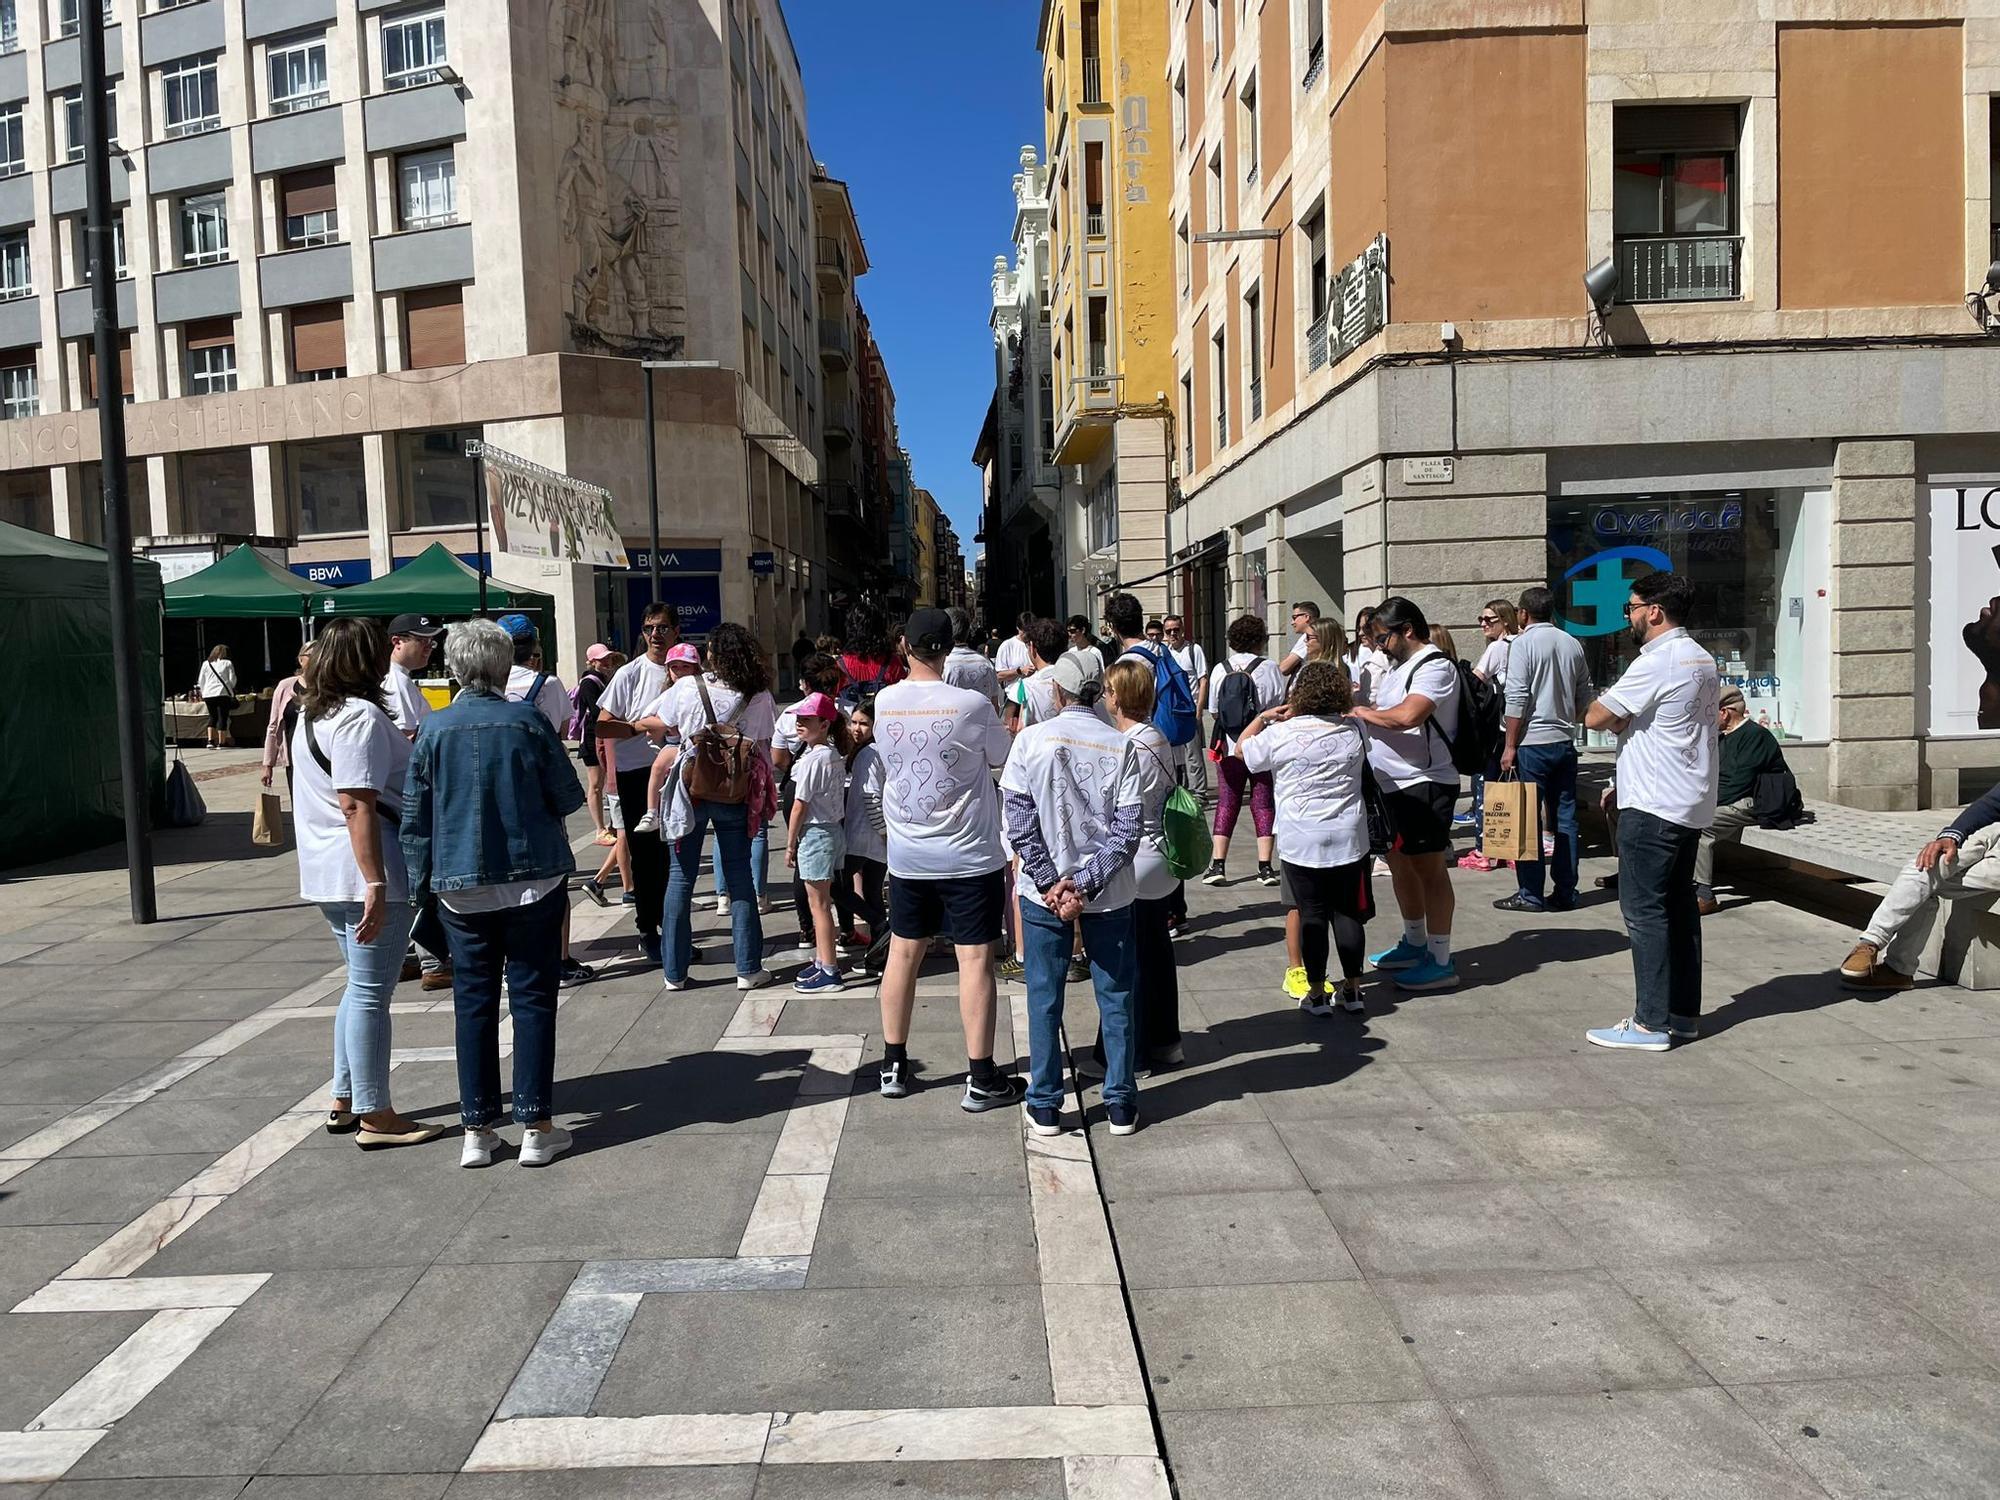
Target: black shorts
1421, 816
966, 909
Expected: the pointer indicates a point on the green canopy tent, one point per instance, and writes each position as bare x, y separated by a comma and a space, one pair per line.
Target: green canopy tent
436, 583
59, 776
245, 585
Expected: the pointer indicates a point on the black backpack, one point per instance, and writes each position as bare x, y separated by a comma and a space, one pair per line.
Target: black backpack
1236, 702
1482, 722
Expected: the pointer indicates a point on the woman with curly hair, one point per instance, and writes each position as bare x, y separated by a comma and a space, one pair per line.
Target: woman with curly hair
870, 659
734, 691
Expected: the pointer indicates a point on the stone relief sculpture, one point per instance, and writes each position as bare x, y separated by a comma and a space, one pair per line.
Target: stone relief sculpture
618, 180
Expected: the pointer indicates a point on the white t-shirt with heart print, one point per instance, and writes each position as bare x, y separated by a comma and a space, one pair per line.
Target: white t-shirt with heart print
940, 746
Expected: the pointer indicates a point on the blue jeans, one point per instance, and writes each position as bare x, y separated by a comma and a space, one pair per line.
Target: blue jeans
732, 860
527, 942
1110, 940
760, 859
361, 1024
1552, 769
1656, 894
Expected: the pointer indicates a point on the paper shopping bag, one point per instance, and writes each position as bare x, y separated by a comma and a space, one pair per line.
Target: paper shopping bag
1513, 821
267, 824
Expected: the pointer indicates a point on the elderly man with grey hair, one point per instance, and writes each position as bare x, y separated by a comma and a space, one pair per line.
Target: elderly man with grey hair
483, 830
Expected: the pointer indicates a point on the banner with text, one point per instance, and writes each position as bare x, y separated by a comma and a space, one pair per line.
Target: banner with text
536, 512
1965, 609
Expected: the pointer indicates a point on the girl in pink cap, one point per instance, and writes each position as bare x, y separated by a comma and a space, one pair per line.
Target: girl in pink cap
682, 661
817, 842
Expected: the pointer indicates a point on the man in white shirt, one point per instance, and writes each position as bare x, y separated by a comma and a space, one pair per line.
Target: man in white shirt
1414, 718
940, 746
1192, 757
528, 683
1305, 615
1013, 661
412, 640
630, 692
1663, 711
967, 666
1074, 806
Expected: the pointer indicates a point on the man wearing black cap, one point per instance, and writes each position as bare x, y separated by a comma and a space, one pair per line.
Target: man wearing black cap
940, 746
412, 640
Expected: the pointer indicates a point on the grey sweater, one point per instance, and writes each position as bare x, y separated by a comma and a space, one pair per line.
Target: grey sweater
1548, 684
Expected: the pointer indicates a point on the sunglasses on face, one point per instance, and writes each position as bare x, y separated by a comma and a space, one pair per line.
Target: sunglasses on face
657, 630
1489, 619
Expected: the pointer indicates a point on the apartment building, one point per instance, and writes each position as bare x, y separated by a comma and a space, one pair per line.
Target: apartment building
1111, 306
1024, 522
1393, 377
357, 234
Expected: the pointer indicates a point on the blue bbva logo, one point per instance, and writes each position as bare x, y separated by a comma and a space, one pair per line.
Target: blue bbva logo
1600, 584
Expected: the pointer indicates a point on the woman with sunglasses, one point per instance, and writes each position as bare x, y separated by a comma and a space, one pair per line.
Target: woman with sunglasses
1499, 622
1366, 662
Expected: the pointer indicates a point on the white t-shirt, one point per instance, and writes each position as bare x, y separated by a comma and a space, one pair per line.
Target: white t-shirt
1076, 768
1667, 757
940, 745
635, 685
407, 704
865, 780
552, 699
785, 733
966, 668
1315, 766
680, 708
1038, 697
817, 781
1013, 656
1365, 668
1493, 660
1406, 757
368, 753
1152, 759
1193, 662
1263, 671
216, 679
1301, 648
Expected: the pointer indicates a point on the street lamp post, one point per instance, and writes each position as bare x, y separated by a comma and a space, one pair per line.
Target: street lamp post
647, 367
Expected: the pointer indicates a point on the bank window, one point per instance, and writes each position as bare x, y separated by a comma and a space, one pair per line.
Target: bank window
1757, 560
217, 492
413, 48
17, 271
189, 94
1674, 203
211, 357
437, 476
307, 204
72, 114
298, 75
329, 486
427, 188
19, 394
13, 142
204, 229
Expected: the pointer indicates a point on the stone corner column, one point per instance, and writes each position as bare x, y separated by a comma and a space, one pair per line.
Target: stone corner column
1873, 760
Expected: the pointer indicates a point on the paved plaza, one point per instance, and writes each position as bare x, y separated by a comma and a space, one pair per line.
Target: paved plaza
1448, 1250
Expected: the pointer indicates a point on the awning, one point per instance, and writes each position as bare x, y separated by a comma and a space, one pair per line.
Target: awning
245, 585
433, 583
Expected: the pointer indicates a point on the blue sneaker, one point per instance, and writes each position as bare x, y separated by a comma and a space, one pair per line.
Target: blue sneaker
1464, 821
1404, 955
817, 979
1630, 1035
1428, 975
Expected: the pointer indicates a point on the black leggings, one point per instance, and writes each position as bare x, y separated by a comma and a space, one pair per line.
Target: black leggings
869, 905
219, 710
1330, 899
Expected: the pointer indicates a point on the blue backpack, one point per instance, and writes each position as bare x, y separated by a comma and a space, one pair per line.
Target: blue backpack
1173, 698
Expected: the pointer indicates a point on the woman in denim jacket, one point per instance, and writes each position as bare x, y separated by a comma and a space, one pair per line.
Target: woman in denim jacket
483, 810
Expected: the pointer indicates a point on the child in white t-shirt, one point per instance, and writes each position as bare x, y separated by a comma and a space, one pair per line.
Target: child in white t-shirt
862, 880
817, 843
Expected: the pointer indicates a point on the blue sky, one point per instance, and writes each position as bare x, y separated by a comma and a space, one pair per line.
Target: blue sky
922, 107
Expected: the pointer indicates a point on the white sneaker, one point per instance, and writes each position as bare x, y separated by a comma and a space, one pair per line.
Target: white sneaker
1316, 1003
650, 823
1351, 1001
540, 1147
478, 1148
673, 984
722, 905
755, 981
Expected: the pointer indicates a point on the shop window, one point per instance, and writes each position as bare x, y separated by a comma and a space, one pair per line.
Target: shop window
1756, 558
437, 476
328, 486
216, 493
1674, 209
433, 327
26, 499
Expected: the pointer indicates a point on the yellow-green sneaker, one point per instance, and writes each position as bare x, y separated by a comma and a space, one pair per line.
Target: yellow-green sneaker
1295, 983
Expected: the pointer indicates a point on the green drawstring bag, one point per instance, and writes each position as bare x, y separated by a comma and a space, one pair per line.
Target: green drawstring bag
1184, 834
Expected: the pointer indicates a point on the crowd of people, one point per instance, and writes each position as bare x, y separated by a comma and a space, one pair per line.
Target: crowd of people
1035, 803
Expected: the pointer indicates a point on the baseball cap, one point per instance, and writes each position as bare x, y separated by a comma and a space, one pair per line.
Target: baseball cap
424, 625
816, 706
596, 652
1076, 671
520, 627
928, 631
685, 654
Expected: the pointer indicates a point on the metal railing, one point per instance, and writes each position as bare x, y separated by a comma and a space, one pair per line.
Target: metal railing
1315, 63
829, 254
293, 103
1093, 80
1681, 268
1093, 224
1256, 394
835, 339
1316, 343
200, 126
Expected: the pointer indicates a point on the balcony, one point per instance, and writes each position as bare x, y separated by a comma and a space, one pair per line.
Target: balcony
291, 104
843, 501
1681, 268
1093, 80
1256, 393
1093, 224
1316, 344
830, 257
1315, 65
836, 345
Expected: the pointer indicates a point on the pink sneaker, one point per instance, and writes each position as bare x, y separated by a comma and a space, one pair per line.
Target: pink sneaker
1474, 860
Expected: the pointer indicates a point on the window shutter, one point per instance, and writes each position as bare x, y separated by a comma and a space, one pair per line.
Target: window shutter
319, 337
306, 192
434, 321
210, 333
1676, 127
124, 368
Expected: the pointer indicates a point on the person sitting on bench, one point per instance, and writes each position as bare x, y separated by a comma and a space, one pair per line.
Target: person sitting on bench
1955, 863
1747, 751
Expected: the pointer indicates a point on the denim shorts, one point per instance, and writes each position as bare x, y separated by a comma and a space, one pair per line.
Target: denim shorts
822, 850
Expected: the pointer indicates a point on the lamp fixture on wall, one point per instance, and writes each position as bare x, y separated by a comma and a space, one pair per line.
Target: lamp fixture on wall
1600, 283
1982, 303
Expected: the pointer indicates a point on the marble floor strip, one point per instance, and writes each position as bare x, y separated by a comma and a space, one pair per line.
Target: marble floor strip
546, 1443
569, 1361
42, 1457
143, 1294
959, 1434
752, 1273
125, 1376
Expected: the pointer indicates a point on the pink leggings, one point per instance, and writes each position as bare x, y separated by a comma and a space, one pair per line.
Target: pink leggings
1229, 801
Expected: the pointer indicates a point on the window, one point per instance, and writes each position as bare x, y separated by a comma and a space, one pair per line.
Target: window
319, 341
427, 188
69, 18
13, 145
17, 274
306, 202
1187, 424
412, 48
1221, 387
1101, 505
89, 363
1183, 257
80, 246
1097, 327
1214, 30
1093, 189
1180, 107
204, 229
72, 108
1093, 65
217, 491
434, 327
1046, 394
10, 27
1673, 213
298, 75
1315, 42
211, 357
1316, 281
188, 90
1215, 189
19, 395
329, 486
437, 476
1247, 127
1253, 349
